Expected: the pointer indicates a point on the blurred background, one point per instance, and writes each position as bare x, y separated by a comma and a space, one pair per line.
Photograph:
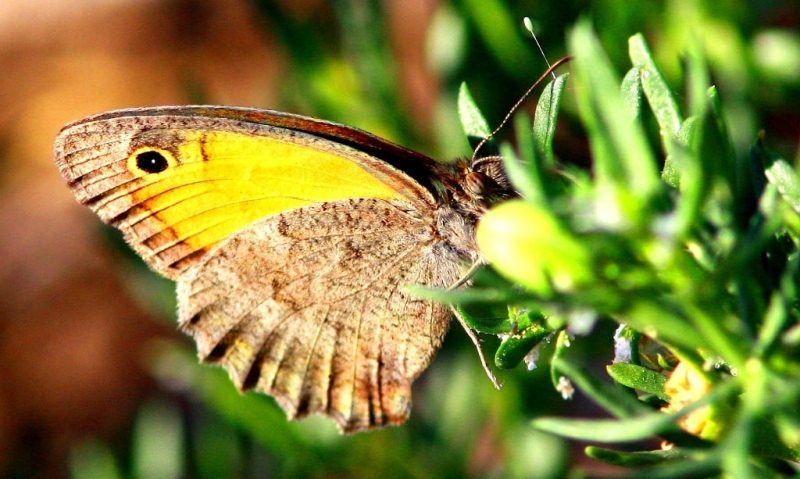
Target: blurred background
96, 381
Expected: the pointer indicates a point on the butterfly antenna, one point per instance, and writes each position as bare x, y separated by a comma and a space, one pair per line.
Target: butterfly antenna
529, 26
524, 96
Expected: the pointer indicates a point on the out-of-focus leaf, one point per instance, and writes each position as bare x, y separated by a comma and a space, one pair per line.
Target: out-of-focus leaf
485, 319
526, 180
501, 34
158, 448
624, 163
611, 398
446, 43
93, 459
631, 89
635, 459
472, 121
658, 93
632, 428
219, 450
781, 174
620, 430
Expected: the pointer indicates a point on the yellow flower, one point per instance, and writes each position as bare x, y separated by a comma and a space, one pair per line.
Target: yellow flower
686, 386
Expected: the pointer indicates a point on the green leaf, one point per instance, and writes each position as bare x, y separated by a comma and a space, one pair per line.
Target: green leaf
525, 179
631, 89
544, 120
629, 429
487, 295
622, 157
612, 399
698, 79
639, 378
484, 318
252, 413
736, 449
617, 430
661, 101
707, 465
514, 347
655, 88
472, 120
778, 312
93, 459
636, 459
781, 174
158, 448
216, 446
500, 32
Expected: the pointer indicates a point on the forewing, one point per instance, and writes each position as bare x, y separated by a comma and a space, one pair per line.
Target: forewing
224, 168
310, 306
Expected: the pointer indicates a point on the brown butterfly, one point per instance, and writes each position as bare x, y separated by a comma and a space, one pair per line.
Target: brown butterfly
292, 241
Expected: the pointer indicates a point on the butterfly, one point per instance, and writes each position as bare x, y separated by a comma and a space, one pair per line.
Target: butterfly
292, 241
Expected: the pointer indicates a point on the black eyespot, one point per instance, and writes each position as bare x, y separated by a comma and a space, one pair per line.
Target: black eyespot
151, 162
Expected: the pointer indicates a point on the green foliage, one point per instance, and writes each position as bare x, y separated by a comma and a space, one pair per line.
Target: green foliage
700, 258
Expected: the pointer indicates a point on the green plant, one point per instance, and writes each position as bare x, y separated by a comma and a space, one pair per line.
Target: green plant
691, 248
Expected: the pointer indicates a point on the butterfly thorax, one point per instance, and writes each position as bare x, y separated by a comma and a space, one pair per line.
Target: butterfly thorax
470, 189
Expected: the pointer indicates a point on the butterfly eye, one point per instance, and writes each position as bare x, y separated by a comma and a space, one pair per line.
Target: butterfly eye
475, 183
151, 162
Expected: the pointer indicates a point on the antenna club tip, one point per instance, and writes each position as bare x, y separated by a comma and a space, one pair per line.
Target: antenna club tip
528, 24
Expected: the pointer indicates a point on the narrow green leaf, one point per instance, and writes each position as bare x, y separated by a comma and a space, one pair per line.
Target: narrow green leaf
629, 429
502, 296
736, 170
472, 121
610, 398
525, 179
544, 120
639, 378
606, 431
622, 155
93, 459
514, 347
707, 465
736, 449
158, 448
698, 79
655, 88
485, 319
500, 32
778, 311
254, 414
689, 173
631, 89
661, 101
781, 174
216, 446
635, 459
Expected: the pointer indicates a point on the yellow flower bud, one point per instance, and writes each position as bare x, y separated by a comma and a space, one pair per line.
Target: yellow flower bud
529, 245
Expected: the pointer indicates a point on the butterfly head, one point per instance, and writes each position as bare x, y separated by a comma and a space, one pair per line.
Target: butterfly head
483, 183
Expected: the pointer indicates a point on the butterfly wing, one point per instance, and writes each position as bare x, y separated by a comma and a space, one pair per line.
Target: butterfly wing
291, 239
309, 306
178, 180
